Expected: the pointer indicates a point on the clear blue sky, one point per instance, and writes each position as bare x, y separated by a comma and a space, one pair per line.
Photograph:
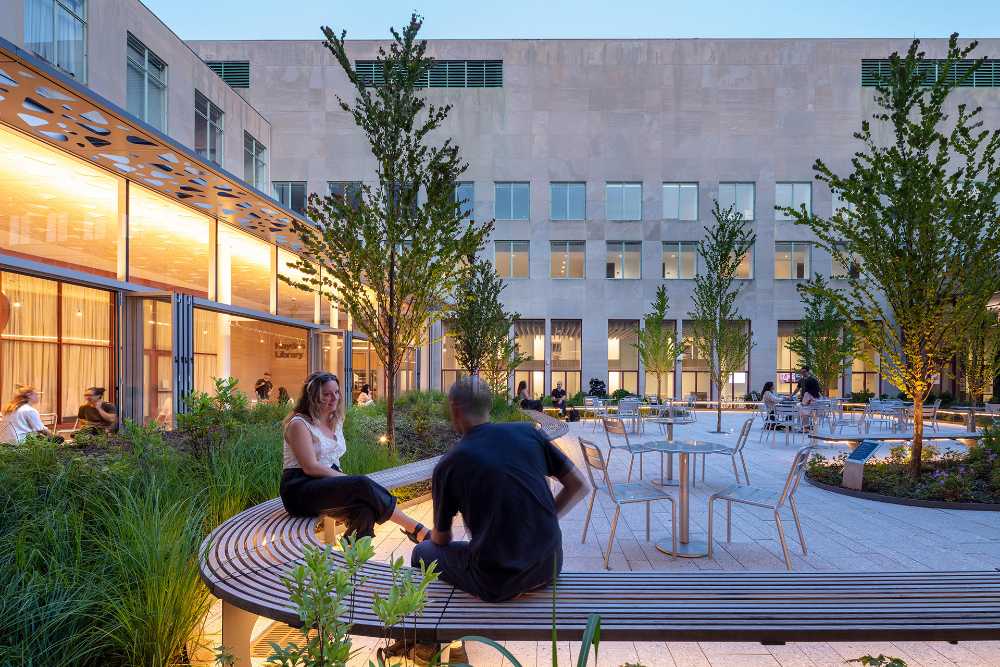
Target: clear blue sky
483, 19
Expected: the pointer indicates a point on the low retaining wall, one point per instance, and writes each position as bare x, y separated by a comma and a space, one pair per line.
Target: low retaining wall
912, 502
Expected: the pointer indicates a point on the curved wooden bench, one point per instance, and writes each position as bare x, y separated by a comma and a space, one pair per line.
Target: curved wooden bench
244, 560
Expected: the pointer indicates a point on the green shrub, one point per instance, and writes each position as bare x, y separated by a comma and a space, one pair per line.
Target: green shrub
577, 399
619, 394
861, 396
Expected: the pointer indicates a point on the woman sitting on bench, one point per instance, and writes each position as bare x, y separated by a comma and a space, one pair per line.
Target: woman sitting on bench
312, 482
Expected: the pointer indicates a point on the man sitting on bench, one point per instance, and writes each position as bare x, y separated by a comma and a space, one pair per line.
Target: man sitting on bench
496, 476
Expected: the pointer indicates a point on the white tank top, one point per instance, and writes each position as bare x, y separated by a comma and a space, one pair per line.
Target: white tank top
328, 450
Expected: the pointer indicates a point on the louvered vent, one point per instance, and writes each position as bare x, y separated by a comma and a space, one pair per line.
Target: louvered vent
987, 76
234, 72
443, 74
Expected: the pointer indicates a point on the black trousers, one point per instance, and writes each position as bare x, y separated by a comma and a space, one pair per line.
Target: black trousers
353, 499
456, 567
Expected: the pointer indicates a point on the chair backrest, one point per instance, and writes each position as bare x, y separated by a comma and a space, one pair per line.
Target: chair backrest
934, 408
48, 419
786, 410
628, 407
594, 460
615, 426
744, 435
795, 473
588, 401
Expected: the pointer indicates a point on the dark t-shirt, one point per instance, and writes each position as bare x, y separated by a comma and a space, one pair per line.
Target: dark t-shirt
496, 477
88, 413
558, 394
263, 388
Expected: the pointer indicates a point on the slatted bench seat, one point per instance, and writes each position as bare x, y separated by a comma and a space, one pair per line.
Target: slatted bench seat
245, 559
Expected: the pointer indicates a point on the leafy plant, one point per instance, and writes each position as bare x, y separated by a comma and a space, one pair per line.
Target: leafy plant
393, 255
718, 333
503, 361
981, 357
920, 222
619, 394
822, 340
880, 661
598, 388
657, 343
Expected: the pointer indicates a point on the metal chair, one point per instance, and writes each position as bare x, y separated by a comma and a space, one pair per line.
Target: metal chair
615, 426
932, 415
628, 409
788, 417
736, 451
758, 497
621, 494
600, 410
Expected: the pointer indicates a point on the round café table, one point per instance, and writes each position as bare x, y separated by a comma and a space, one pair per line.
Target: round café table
686, 548
668, 422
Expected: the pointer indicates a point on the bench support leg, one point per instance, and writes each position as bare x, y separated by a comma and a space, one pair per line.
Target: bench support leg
329, 530
237, 625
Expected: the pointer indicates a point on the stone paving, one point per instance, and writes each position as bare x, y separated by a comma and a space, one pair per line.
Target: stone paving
842, 533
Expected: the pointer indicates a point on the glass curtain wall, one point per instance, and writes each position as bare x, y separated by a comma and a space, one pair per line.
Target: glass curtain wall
623, 356
57, 208
157, 367
567, 337
244, 349
58, 339
451, 371
530, 338
160, 228
244, 270
366, 368
865, 371
294, 302
696, 382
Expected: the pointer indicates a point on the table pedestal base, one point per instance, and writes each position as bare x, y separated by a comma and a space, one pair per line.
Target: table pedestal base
693, 549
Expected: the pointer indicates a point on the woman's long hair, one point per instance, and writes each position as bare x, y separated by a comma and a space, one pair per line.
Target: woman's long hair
311, 397
20, 398
768, 386
522, 385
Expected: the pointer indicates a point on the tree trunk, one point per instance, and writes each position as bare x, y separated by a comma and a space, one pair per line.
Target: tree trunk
390, 399
659, 385
718, 408
917, 449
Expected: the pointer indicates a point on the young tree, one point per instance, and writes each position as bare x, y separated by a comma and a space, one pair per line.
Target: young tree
389, 257
981, 362
920, 222
501, 362
657, 344
823, 340
719, 334
479, 322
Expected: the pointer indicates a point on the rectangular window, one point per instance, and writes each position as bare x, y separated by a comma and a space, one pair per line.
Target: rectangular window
511, 201
567, 338
59, 340
792, 195
865, 371
208, 129
788, 363
530, 338
624, 260
624, 201
349, 191
146, 84
791, 261
291, 195
567, 259
696, 379
451, 372
740, 195
569, 201
56, 30
745, 270
839, 270
244, 269
623, 356
680, 201
512, 259
160, 228
293, 302
465, 196
58, 208
254, 161
680, 260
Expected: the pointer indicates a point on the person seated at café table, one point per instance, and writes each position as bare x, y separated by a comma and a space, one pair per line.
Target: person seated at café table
559, 398
769, 399
96, 414
811, 393
21, 417
524, 398
365, 397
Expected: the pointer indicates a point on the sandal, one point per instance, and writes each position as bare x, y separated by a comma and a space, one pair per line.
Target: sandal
412, 535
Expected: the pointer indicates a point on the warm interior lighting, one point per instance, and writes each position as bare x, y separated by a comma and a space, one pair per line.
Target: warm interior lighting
159, 229
56, 206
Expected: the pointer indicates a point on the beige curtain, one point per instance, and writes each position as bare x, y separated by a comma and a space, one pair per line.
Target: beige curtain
86, 335
206, 350
29, 340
